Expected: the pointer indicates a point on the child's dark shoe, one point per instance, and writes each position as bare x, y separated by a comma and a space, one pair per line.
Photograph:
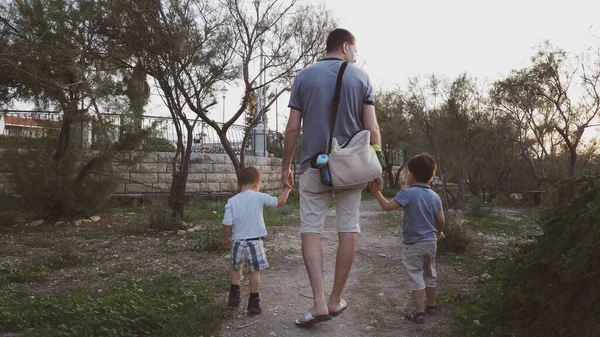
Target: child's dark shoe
254, 306
234, 297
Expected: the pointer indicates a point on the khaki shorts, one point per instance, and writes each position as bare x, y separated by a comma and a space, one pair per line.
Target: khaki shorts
419, 261
314, 204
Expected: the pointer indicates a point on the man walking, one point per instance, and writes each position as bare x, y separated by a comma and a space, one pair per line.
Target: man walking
311, 103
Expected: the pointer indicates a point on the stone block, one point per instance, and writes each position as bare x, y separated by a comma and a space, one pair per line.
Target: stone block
150, 157
262, 161
209, 187
144, 178
250, 161
122, 167
197, 177
165, 177
4, 177
209, 158
153, 167
161, 187
212, 158
124, 176
137, 188
165, 157
192, 187
202, 168
120, 189
223, 168
227, 187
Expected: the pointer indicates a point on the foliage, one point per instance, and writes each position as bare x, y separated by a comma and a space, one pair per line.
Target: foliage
458, 237
477, 208
39, 267
166, 306
552, 289
21, 142
47, 190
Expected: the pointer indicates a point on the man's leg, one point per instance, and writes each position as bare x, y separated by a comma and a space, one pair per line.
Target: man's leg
347, 204
313, 260
314, 203
343, 263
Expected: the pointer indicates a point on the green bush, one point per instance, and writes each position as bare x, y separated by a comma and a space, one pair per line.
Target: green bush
47, 188
160, 219
167, 306
22, 142
553, 288
458, 238
476, 207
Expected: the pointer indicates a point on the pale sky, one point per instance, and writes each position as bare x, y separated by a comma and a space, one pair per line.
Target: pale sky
400, 39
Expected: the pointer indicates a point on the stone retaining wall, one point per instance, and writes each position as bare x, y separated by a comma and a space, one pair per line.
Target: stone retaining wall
209, 174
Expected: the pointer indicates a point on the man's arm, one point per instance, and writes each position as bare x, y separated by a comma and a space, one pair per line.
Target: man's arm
292, 131
369, 119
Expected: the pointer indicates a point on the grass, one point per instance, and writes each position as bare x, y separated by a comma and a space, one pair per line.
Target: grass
493, 224
165, 306
391, 220
40, 266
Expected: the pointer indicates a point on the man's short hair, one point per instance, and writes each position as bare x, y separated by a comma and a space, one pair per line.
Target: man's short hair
337, 38
422, 167
248, 176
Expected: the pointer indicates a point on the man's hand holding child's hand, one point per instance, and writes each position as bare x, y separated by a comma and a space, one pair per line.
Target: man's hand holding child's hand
377, 184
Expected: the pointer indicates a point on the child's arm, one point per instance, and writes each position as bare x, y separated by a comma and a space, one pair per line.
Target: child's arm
440, 220
283, 197
384, 203
226, 236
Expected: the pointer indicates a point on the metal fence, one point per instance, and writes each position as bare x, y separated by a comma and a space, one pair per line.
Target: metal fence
205, 139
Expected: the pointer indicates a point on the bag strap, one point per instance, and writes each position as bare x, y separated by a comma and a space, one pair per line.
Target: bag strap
336, 103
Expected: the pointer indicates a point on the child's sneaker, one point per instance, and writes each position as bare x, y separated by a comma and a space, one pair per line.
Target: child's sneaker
234, 297
254, 306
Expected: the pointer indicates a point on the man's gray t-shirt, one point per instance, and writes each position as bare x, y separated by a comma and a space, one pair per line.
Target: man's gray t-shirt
312, 94
244, 212
421, 207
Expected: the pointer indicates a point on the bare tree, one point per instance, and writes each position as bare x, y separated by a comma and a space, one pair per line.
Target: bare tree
287, 35
542, 102
187, 48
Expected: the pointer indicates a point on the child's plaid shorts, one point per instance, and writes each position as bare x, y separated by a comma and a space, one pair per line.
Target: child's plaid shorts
250, 251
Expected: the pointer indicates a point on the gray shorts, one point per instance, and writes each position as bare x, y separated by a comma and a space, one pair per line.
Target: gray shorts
419, 261
314, 204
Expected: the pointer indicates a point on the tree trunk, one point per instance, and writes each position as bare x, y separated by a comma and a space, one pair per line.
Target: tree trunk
179, 181
230, 152
572, 162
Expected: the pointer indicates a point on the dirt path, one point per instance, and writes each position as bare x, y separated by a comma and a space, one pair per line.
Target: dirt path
376, 291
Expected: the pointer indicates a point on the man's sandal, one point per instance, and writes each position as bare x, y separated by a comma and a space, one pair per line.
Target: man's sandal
309, 319
416, 317
342, 306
